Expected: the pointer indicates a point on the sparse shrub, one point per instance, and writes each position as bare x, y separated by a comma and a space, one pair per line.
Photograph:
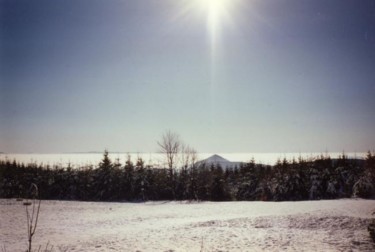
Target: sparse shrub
371, 229
32, 215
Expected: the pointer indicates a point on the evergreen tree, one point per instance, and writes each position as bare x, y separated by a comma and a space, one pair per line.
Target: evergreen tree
103, 179
365, 185
219, 190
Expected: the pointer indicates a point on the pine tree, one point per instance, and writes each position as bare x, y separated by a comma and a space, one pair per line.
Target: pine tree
103, 179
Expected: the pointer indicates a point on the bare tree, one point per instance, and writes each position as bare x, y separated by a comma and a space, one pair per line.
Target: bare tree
170, 145
33, 216
188, 156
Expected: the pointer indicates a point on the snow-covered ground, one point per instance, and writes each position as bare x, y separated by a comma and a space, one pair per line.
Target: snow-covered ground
329, 225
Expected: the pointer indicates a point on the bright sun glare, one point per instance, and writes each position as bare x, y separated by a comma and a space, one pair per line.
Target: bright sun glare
216, 12
219, 14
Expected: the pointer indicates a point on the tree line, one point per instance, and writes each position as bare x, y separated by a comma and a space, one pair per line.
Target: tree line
313, 179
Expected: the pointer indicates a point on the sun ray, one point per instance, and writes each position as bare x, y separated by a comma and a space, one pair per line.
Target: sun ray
218, 14
216, 11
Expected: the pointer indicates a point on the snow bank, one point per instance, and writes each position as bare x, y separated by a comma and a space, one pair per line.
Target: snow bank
336, 225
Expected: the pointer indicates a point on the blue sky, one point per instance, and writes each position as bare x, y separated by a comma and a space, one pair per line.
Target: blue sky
279, 76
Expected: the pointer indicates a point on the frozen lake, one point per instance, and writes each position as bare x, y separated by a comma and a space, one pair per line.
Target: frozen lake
328, 225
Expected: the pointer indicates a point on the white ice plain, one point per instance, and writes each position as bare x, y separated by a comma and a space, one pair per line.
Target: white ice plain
327, 225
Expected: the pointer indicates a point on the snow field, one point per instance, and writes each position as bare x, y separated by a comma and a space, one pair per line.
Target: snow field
329, 225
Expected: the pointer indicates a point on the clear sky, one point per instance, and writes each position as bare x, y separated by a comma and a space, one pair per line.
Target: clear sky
228, 76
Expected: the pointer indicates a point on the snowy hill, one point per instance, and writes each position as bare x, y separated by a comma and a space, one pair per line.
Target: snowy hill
218, 160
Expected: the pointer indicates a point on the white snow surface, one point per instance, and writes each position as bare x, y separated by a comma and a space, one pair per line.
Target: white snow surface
327, 225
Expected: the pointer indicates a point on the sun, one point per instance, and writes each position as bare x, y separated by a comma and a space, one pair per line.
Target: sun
214, 5
218, 14
216, 10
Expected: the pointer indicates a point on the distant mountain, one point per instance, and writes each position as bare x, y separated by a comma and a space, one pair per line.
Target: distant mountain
218, 160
